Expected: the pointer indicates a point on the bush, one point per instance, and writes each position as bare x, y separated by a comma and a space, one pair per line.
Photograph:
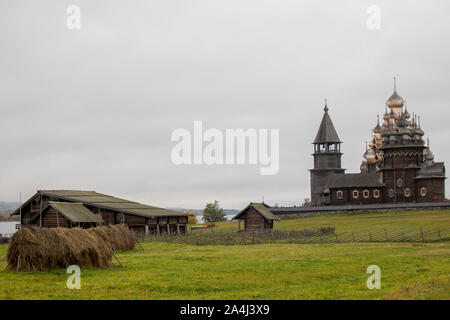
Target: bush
192, 219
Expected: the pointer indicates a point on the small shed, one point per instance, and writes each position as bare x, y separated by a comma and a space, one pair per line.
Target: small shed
257, 217
67, 214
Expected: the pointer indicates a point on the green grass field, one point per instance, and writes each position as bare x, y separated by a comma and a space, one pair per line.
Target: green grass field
361, 221
265, 271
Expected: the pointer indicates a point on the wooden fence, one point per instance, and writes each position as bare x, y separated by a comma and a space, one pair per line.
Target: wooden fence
5, 237
323, 235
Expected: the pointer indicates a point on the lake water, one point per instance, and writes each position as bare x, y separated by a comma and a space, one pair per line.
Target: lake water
229, 217
8, 227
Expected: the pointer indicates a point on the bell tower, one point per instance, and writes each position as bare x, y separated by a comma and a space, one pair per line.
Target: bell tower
327, 159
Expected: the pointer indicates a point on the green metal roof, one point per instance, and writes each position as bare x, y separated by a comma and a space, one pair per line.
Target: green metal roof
75, 212
96, 199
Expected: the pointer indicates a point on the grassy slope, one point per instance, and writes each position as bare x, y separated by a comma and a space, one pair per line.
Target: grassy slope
361, 222
269, 271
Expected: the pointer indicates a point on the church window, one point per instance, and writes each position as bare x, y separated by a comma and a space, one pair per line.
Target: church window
423, 191
366, 194
392, 193
399, 183
332, 147
408, 192
376, 193
355, 194
340, 194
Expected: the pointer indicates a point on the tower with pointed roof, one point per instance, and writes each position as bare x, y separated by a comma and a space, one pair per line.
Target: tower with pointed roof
327, 159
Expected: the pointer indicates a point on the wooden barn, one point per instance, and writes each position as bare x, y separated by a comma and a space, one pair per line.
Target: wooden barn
76, 208
257, 217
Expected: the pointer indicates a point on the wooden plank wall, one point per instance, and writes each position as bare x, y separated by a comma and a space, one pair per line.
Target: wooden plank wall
52, 219
253, 220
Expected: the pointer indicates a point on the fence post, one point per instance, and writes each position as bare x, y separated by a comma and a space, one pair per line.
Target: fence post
421, 234
353, 236
385, 234
336, 237
439, 233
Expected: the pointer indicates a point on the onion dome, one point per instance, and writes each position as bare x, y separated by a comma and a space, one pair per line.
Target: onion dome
395, 101
386, 114
377, 128
429, 156
419, 130
366, 152
364, 167
401, 123
406, 113
392, 114
371, 156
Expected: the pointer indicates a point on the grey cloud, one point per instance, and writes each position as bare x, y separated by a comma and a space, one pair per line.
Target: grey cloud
94, 108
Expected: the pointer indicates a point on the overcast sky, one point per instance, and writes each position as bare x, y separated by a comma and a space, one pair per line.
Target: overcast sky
94, 109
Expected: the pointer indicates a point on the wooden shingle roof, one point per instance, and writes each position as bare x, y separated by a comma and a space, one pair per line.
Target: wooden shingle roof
326, 133
75, 212
103, 201
354, 180
261, 208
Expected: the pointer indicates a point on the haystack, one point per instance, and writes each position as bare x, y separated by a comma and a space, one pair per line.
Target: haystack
118, 236
50, 248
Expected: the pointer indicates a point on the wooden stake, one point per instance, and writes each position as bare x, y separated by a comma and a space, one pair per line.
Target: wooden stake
114, 255
137, 242
40, 212
18, 263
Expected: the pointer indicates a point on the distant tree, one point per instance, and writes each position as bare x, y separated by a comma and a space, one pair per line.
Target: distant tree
307, 202
213, 213
192, 219
276, 205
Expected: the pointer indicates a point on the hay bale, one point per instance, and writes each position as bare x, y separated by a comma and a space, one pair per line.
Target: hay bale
50, 248
118, 236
